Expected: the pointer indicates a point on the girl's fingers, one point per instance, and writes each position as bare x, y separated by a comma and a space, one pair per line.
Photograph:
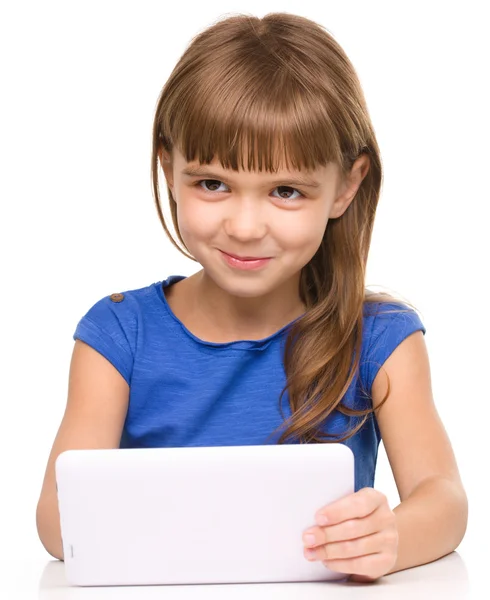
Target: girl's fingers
347, 530
360, 536
357, 505
384, 542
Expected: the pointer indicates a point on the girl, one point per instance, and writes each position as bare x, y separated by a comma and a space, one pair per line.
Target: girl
273, 175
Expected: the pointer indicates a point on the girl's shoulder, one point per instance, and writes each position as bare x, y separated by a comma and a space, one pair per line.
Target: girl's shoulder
381, 315
121, 307
386, 323
112, 323
128, 304
389, 321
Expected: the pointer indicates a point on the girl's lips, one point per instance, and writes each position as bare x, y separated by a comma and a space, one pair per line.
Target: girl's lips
246, 257
245, 264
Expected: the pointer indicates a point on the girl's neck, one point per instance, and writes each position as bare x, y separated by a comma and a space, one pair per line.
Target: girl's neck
214, 315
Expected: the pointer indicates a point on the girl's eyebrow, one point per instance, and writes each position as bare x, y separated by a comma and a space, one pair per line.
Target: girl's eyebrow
204, 172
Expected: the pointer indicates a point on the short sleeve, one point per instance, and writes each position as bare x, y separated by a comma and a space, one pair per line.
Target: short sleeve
109, 328
388, 328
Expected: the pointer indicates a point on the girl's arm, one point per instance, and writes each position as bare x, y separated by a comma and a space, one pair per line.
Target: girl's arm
359, 534
432, 515
94, 417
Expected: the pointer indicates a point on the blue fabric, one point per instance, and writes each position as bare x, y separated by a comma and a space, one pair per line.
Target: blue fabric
189, 392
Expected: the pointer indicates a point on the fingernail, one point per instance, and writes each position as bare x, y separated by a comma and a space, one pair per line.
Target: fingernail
322, 520
310, 553
309, 539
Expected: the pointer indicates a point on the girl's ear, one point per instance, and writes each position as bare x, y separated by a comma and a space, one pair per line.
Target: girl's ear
350, 186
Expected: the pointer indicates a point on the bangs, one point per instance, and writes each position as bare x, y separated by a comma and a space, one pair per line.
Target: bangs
256, 121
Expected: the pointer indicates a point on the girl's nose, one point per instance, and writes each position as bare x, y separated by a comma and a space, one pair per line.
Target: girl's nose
245, 221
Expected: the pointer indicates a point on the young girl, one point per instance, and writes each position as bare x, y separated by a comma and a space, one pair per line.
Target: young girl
273, 175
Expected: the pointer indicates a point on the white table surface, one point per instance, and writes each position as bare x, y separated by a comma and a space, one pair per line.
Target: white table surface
449, 578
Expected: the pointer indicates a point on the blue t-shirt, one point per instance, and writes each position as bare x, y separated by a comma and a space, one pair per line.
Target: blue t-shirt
188, 392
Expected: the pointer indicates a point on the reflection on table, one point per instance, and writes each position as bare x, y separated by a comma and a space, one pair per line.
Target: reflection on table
446, 578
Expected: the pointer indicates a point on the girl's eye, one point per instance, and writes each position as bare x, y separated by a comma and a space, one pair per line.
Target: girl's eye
215, 184
288, 198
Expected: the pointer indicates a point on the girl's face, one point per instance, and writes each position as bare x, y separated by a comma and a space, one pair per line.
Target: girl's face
279, 216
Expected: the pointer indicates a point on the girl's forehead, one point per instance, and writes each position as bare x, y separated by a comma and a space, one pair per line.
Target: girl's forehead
281, 170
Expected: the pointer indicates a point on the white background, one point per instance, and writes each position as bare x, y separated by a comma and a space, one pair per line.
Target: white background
79, 84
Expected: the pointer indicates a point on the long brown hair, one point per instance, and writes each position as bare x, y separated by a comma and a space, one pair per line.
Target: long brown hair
258, 92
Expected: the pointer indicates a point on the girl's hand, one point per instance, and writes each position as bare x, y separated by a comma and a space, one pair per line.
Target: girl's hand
356, 535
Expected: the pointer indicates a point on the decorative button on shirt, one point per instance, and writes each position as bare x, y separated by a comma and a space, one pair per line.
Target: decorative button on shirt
117, 297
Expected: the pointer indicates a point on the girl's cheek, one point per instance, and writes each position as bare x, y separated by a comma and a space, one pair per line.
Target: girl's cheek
195, 224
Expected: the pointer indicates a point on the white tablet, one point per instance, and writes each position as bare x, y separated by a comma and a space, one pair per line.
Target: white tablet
232, 514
